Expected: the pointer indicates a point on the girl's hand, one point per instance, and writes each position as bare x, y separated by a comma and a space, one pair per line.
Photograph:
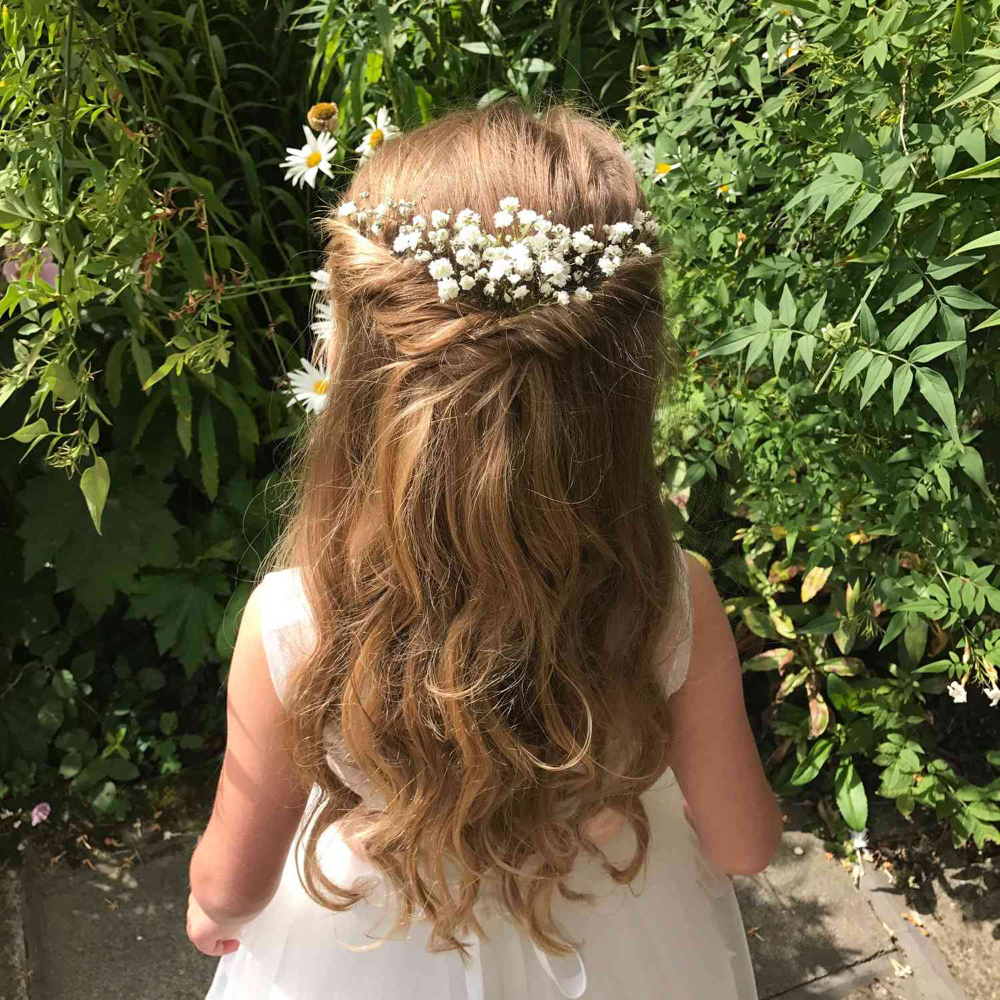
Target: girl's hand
209, 937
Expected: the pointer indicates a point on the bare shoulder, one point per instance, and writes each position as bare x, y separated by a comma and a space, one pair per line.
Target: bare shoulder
713, 646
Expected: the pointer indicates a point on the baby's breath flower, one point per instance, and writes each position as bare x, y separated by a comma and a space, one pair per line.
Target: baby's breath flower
321, 280
348, 208
533, 264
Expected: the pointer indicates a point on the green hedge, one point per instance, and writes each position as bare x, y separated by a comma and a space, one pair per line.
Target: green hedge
821, 170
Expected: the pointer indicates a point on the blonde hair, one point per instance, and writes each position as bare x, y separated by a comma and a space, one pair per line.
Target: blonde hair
482, 542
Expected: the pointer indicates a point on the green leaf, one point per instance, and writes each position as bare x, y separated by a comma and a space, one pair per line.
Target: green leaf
848, 165
121, 769
878, 372
928, 352
864, 207
962, 298
168, 723
852, 800
812, 763
732, 343
937, 392
989, 240
779, 348
856, 364
915, 200
184, 606
786, 307
751, 69
840, 693
991, 168
95, 484
901, 382
762, 315
770, 659
137, 530
972, 465
911, 327
29, 432
151, 679
844, 666
962, 33
982, 81
209, 451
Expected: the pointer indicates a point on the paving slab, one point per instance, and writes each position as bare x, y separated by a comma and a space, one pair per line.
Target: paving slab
13, 959
804, 918
113, 932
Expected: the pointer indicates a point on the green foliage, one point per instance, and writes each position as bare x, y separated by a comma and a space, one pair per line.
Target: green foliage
833, 217
828, 175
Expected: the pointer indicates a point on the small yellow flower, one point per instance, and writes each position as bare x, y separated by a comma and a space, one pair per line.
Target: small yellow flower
741, 237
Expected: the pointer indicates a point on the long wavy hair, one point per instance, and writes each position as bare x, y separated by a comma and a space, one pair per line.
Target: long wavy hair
482, 543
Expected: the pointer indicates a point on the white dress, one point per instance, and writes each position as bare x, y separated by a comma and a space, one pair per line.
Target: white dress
675, 933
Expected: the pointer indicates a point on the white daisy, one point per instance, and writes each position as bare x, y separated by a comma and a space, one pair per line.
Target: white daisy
303, 164
309, 386
321, 280
652, 166
726, 189
322, 325
958, 693
381, 129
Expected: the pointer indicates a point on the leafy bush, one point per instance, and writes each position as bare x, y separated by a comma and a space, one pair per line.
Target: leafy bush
821, 170
828, 176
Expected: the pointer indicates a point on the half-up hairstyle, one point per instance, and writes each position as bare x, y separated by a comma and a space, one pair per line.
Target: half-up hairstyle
482, 542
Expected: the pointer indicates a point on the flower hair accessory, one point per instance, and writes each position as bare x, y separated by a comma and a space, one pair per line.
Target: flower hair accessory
533, 260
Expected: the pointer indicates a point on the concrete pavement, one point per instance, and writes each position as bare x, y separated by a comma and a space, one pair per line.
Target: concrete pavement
114, 930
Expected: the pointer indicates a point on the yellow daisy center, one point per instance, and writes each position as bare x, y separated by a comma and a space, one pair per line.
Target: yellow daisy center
724, 189
376, 138
791, 52
664, 168
320, 386
313, 158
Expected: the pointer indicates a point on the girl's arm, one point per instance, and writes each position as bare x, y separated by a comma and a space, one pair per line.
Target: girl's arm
713, 754
259, 802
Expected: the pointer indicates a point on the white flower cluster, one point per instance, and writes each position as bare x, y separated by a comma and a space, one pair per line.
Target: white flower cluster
537, 261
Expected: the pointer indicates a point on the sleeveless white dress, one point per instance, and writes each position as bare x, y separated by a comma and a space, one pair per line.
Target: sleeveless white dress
675, 933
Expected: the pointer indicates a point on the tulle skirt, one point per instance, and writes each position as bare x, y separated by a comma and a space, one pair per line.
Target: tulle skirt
675, 933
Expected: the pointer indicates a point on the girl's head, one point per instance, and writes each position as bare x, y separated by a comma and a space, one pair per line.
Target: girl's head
481, 536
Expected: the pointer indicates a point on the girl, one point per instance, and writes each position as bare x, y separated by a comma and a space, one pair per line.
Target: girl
497, 711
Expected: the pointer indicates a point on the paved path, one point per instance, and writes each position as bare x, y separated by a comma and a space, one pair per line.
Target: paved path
116, 931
